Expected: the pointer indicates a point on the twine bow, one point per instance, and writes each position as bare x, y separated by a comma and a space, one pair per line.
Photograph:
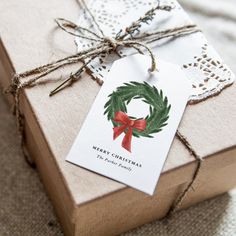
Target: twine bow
131, 37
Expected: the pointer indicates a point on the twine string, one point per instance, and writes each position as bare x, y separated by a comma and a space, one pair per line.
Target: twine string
129, 38
182, 196
91, 16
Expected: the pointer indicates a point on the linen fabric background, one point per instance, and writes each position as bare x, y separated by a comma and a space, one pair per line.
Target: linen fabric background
25, 208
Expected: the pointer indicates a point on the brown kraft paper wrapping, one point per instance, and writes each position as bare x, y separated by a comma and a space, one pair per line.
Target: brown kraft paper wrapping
29, 38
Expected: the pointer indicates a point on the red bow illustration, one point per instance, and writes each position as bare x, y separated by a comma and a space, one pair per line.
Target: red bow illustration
127, 123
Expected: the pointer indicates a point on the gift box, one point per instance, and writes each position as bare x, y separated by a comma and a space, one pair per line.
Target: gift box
87, 203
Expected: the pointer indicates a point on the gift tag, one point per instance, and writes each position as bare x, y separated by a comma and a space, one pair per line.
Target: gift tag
131, 125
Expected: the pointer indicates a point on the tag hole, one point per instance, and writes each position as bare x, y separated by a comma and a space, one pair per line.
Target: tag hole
153, 72
152, 76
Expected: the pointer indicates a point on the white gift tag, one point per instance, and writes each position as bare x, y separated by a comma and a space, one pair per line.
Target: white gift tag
131, 125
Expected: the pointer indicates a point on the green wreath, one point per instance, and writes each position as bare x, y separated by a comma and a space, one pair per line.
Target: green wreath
158, 106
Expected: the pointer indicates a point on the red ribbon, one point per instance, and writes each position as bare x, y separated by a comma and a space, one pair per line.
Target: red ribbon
127, 123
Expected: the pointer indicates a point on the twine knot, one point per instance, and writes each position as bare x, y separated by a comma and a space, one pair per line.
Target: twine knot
114, 43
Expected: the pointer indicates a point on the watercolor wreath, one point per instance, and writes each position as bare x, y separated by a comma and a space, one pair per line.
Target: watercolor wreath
116, 111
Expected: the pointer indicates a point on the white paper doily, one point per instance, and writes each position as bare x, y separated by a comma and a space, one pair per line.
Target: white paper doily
201, 63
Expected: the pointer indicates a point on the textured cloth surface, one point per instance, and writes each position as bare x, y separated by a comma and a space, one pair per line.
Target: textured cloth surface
24, 206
